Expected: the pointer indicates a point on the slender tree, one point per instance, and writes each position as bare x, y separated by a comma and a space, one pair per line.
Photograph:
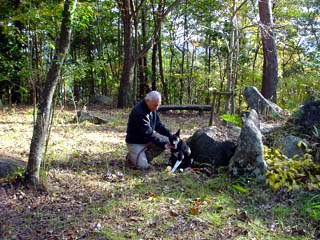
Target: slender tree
40, 129
270, 59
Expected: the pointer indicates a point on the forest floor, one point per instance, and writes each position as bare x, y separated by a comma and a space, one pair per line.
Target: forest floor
93, 195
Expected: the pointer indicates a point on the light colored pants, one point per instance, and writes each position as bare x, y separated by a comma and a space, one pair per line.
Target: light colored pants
145, 156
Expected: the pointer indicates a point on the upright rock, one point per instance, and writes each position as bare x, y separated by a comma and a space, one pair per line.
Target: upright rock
86, 116
257, 102
308, 118
248, 159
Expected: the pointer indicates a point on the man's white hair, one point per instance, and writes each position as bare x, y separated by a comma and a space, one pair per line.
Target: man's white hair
153, 95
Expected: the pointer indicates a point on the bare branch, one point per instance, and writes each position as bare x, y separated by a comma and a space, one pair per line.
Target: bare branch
156, 30
235, 12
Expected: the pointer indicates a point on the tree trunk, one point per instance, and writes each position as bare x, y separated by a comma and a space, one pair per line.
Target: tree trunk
191, 73
154, 66
156, 16
270, 61
163, 81
208, 54
146, 87
183, 60
40, 129
230, 58
16, 79
125, 98
136, 49
143, 62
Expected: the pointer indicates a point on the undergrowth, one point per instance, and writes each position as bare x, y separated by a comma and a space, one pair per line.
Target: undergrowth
292, 174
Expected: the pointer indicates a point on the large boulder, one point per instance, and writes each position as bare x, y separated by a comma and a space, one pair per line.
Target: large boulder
308, 118
289, 146
257, 102
248, 159
214, 146
9, 164
86, 116
101, 100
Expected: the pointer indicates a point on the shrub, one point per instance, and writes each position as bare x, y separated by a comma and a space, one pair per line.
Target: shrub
293, 174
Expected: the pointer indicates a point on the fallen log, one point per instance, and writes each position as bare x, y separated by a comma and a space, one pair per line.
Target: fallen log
196, 107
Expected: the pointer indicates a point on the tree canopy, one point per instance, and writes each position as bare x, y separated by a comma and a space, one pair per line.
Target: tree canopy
184, 49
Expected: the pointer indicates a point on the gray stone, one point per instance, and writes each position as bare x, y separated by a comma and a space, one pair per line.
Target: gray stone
269, 127
101, 100
1, 105
289, 146
9, 164
214, 146
248, 159
257, 102
307, 117
86, 116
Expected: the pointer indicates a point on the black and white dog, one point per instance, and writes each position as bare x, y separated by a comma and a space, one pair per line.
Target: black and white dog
181, 154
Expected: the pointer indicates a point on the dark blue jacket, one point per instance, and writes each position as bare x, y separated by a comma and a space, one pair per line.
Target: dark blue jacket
141, 126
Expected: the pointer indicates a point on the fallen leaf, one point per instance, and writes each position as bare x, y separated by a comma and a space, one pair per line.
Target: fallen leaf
150, 194
194, 211
243, 216
219, 208
136, 219
174, 213
197, 202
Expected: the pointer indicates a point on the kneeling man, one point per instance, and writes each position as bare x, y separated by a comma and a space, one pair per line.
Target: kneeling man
142, 142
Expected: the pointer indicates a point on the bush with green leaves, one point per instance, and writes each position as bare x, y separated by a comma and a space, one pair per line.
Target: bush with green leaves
231, 118
16, 176
292, 174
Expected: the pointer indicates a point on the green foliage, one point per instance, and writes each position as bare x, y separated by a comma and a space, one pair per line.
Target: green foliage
292, 174
239, 188
16, 176
297, 114
294, 89
240, 183
231, 118
315, 131
312, 207
281, 212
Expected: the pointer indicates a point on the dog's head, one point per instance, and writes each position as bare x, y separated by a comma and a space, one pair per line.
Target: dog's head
175, 139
